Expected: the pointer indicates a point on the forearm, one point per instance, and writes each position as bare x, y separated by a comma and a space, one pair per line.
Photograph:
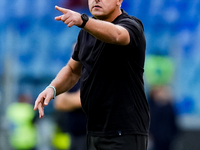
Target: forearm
107, 32
103, 30
64, 80
67, 77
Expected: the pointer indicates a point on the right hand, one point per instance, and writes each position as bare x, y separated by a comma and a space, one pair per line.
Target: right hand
69, 17
43, 100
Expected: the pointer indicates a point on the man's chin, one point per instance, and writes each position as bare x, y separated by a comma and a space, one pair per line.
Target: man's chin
98, 15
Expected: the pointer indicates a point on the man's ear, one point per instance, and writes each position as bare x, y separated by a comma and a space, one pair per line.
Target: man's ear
119, 2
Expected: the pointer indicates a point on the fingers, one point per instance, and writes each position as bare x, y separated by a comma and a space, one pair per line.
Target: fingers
67, 21
69, 17
41, 110
58, 18
47, 100
39, 106
63, 10
37, 102
43, 100
62, 17
70, 24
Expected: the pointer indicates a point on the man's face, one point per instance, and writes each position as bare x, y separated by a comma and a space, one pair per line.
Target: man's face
103, 9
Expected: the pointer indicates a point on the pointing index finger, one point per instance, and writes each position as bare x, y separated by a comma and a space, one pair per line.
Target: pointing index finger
63, 10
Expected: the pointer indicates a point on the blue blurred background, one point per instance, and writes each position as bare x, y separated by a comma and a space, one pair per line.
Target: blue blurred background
34, 47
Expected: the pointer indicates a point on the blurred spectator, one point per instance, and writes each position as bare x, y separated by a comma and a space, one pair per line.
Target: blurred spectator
71, 118
159, 69
163, 127
22, 129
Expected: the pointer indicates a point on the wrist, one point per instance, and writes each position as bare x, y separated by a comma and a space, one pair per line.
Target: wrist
85, 19
50, 86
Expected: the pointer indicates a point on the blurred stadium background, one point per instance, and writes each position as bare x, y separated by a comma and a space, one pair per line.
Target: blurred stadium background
34, 47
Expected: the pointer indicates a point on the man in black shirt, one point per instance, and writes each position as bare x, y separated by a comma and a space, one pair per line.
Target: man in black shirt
109, 60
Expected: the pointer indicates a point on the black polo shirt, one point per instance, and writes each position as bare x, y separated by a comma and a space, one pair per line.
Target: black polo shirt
112, 87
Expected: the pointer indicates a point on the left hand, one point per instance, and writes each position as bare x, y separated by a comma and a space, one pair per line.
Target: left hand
69, 17
43, 100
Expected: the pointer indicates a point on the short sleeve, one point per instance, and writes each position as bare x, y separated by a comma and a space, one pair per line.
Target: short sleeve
134, 27
77, 47
75, 52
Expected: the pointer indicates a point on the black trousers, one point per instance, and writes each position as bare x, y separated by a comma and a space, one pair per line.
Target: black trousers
123, 142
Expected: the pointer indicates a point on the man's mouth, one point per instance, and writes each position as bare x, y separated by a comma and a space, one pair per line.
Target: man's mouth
97, 6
